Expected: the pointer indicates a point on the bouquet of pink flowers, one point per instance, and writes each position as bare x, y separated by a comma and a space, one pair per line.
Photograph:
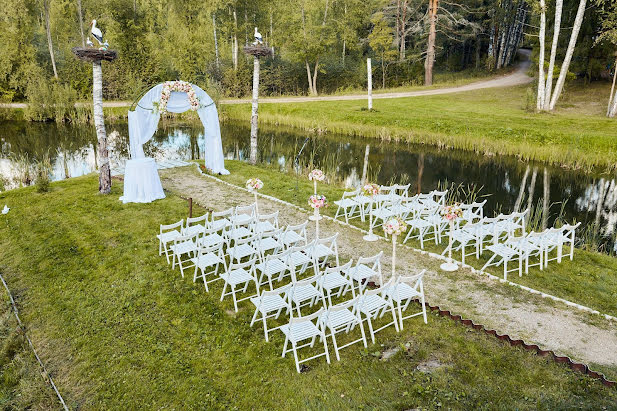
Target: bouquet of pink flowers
318, 201
316, 175
253, 184
370, 189
181, 86
395, 226
451, 212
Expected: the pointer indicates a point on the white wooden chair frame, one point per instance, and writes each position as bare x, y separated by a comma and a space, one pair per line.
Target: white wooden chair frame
343, 317
402, 293
241, 274
373, 304
167, 234
270, 304
209, 257
336, 278
365, 269
184, 245
295, 333
348, 201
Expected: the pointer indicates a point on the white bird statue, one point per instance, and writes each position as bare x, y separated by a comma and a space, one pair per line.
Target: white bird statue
96, 32
89, 43
5, 210
258, 38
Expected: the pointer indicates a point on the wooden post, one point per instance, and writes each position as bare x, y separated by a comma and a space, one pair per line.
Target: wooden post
254, 110
95, 57
190, 207
369, 77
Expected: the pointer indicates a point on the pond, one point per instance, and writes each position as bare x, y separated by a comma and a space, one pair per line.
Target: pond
503, 181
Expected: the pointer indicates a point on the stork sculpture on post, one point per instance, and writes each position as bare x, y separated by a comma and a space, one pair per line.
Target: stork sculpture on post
95, 56
257, 50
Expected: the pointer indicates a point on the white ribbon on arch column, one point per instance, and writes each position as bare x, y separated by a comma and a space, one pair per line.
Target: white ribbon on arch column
143, 123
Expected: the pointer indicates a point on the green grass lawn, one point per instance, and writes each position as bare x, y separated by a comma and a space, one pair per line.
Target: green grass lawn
591, 279
489, 122
120, 330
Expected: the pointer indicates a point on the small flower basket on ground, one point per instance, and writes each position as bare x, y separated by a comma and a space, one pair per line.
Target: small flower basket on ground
317, 201
450, 213
315, 176
253, 185
370, 190
394, 227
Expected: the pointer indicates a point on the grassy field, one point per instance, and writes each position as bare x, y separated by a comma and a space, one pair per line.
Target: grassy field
489, 122
121, 330
591, 279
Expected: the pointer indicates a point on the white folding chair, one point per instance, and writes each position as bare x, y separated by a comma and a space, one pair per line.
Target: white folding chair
183, 250
240, 274
269, 242
305, 293
243, 248
273, 265
239, 229
556, 239
221, 219
400, 191
386, 210
323, 249
502, 255
423, 228
336, 278
242, 214
211, 236
295, 235
302, 329
365, 269
300, 259
462, 238
348, 205
196, 225
528, 247
208, 260
167, 234
403, 291
267, 222
472, 212
270, 304
373, 304
342, 317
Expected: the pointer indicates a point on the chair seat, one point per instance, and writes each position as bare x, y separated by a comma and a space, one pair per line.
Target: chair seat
333, 280
304, 293
299, 258
184, 247
168, 236
237, 276
274, 266
321, 251
241, 219
210, 240
383, 213
336, 319
267, 244
300, 331
418, 223
206, 260
291, 237
220, 224
362, 272
262, 226
241, 251
239, 232
372, 304
462, 236
402, 292
346, 203
268, 303
362, 200
194, 229
502, 250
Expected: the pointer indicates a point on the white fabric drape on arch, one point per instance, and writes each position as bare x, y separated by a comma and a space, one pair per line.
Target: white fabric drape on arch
144, 121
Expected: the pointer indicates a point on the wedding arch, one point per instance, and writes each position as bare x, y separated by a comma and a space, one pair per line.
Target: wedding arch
141, 180
177, 97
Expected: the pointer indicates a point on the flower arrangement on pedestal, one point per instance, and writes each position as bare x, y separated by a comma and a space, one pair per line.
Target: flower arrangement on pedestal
394, 227
181, 86
253, 185
450, 213
315, 176
370, 190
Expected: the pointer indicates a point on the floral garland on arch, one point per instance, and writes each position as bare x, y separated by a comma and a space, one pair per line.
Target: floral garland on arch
181, 86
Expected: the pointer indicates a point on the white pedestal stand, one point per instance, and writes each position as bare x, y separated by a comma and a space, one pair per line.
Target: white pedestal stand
393, 255
256, 208
449, 265
370, 236
316, 216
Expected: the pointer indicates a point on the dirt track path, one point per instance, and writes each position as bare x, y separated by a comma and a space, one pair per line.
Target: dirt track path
517, 78
583, 337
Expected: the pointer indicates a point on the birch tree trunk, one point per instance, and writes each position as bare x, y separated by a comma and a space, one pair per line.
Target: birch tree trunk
369, 80
430, 48
551, 63
254, 111
578, 21
610, 111
235, 42
542, 39
519, 199
216, 42
310, 78
546, 199
81, 23
99, 124
49, 42
402, 38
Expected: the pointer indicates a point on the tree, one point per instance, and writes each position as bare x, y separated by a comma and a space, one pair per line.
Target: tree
429, 62
609, 35
381, 40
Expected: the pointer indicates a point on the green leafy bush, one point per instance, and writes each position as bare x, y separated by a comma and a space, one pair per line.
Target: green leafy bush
47, 101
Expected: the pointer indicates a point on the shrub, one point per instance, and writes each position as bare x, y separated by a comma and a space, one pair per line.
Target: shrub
50, 101
43, 170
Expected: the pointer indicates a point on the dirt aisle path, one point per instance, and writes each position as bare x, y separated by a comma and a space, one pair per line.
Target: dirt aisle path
567, 331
